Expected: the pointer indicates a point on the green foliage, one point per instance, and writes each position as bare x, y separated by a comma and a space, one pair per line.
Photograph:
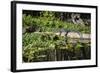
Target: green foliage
48, 22
35, 43
40, 46
27, 20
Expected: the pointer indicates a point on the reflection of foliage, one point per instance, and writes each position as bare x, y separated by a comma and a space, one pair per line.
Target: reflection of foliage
42, 44
36, 46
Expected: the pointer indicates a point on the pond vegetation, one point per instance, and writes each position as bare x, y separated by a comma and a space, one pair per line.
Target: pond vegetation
40, 43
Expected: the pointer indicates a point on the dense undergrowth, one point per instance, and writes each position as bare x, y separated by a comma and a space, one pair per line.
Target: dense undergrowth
38, 47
